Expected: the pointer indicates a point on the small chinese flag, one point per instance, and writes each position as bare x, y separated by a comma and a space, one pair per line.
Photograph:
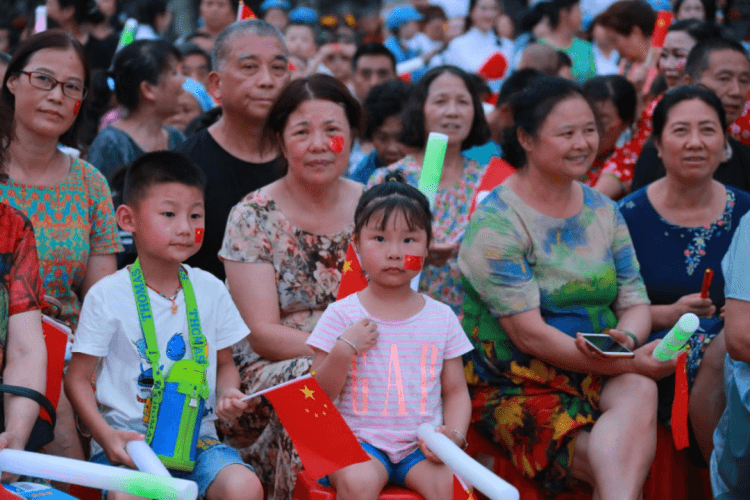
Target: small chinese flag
199, 232
413, 263
460, 490
663, 20
353, 280
494, 67
244, 12
680, 405
320, 435
497, 171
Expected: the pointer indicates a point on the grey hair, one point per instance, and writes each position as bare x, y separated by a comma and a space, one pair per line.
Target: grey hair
255, 27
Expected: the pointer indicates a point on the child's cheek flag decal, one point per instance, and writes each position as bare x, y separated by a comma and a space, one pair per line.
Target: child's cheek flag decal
199, 234
413, 263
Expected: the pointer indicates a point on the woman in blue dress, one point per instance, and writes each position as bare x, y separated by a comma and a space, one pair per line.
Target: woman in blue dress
682, 225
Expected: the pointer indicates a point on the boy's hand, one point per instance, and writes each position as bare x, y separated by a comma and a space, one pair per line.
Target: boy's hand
363, 334
114, 446
229, 407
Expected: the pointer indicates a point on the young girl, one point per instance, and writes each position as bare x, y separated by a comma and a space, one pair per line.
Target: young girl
390, 356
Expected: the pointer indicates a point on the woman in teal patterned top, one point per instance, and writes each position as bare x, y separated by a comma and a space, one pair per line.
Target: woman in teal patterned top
545, 257
444, 101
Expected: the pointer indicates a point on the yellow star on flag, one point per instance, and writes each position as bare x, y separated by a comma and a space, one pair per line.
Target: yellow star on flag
308, 393
347, 267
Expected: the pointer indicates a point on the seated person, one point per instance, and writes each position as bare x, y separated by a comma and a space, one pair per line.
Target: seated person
22, 351
163, 208
720, 65
729, 468
383, 128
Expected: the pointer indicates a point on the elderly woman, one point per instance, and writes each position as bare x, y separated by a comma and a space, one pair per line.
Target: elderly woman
283, 251
444, 101
22, 350
66, 199
147, 82
545, 258
682, 224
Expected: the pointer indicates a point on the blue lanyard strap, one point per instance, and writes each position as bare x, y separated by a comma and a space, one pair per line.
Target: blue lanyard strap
146, 318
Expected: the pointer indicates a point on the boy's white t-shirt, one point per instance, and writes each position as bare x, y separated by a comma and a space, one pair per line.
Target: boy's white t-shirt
109, 328
395, 386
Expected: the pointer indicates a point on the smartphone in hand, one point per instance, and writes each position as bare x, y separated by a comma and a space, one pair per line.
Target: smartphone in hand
607, 345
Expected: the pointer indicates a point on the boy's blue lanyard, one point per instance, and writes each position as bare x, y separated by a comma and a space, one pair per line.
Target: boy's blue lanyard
197, 340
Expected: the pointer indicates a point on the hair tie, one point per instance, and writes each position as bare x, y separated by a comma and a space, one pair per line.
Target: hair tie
111, 83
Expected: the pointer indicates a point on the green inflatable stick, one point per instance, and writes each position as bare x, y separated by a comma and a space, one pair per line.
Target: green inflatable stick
432, 167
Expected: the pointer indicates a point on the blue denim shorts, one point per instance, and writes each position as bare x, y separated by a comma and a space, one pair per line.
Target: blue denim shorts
211, 456
396, 471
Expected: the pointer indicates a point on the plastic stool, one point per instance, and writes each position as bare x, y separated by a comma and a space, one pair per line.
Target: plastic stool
308, 488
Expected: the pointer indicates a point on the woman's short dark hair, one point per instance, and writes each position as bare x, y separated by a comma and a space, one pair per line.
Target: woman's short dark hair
383, 101
141, 61
697, 30
615, 88
317, 86
624, 15
709, 7
555, 6
531, 107
86, 11
415, 134
680, 94
50, 39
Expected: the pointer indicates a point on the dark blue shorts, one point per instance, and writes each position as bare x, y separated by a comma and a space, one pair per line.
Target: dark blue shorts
396, 472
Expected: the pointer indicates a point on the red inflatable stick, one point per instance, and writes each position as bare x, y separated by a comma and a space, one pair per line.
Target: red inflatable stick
199, 234
708, 276
336, 144
413, 263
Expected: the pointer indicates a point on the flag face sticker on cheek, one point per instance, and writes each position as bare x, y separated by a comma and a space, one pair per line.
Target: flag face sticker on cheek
413, 262
77, 107
199, 234
336, 144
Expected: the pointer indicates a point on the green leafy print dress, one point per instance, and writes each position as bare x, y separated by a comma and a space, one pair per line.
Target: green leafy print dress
578, 271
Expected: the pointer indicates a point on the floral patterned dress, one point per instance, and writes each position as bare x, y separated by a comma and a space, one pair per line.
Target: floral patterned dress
308, 271
450, 217
674, 258
578, 272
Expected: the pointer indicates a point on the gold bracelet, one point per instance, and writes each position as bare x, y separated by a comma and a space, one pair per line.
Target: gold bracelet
463, 438
349, 342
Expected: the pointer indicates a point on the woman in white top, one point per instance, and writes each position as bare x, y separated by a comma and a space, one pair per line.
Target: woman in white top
479, 41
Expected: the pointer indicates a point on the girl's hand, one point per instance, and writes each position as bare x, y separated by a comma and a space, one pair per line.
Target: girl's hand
363, 334
440, 253
693, 303
229, 407
428, 454
114, 446
645, 364
721, 312
12, 442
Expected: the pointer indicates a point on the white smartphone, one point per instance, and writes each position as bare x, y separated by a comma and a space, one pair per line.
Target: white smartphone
607, 345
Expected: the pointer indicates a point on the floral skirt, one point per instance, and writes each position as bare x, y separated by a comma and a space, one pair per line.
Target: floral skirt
258, 434
537, 423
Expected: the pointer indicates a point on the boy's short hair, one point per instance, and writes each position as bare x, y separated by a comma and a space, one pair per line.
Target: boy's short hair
160, 167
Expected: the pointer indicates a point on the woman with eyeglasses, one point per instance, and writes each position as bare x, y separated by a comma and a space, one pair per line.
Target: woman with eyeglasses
67, 200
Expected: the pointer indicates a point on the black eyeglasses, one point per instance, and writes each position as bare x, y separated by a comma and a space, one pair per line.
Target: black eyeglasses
45, 82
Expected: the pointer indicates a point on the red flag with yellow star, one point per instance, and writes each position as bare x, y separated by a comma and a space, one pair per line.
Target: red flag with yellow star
353, 280
664, 19
460, 490
323, 441
244, 12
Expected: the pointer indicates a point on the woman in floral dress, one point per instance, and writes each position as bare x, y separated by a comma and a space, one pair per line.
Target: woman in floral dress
444, 101
682, 225
283, 251
545, 258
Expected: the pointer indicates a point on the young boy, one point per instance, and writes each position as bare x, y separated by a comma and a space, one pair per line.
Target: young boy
163, 208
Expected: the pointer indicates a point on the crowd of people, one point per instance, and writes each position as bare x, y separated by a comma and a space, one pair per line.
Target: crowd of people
592, 177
